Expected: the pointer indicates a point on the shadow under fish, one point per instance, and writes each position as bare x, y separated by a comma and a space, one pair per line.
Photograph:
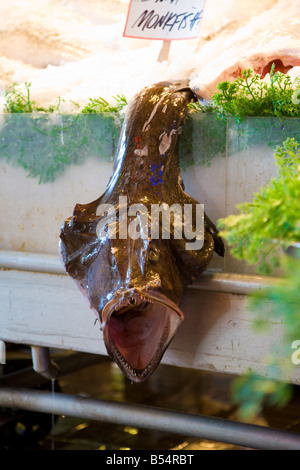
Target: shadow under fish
133, 271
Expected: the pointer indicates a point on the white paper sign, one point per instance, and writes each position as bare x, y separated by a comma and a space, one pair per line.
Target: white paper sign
164, 19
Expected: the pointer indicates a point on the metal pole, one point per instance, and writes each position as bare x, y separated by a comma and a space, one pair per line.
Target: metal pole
42, 363
36, 262
66, 364
215, 429
220, 282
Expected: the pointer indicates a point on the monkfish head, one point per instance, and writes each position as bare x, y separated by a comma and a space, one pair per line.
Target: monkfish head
141, 283
134, 287
142, 315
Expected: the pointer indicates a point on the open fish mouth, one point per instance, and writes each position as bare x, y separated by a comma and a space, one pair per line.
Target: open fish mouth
137, 328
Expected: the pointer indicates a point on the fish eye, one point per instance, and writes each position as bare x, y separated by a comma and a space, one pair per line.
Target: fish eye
153, 255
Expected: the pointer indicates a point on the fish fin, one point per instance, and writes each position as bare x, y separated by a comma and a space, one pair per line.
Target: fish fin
77, 239
180, 181
72, 251
192, 263
85, 212
212, 229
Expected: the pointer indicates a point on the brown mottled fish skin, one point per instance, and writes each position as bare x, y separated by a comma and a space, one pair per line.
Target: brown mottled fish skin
134, 286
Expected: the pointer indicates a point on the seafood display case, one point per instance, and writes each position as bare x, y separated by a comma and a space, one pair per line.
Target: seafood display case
49, 162
58, 160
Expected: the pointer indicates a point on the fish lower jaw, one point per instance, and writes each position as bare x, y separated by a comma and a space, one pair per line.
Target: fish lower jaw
137, 376
137, 339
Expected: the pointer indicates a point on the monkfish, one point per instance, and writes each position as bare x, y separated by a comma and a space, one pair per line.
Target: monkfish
132, 273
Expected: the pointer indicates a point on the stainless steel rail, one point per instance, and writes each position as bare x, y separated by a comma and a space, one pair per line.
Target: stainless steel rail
36, 262
215, 429
221, 282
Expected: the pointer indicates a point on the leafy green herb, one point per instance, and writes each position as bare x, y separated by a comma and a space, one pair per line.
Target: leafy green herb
52, 108
77, 105
264, 230
100, 105
271, 221
18, 101
201, 106
248, 95
251, 392
284, 297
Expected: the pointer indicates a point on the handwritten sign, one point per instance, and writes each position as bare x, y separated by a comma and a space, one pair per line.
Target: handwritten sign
164, 19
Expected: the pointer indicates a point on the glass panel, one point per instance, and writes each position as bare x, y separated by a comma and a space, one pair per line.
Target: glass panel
203, 164
251, 164
45, 144
50, 162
